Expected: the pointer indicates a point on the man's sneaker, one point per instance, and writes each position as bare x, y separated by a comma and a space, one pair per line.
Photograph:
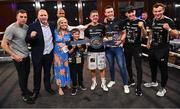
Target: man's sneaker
161, 92
151, 84
110, 84
138, 92
103, 86
131, 84
28, 99
93, 86
126, 89
82, 87
74, 91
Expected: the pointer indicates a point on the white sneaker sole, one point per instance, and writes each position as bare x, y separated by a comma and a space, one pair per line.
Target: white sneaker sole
106, 90
109, 86
94, 87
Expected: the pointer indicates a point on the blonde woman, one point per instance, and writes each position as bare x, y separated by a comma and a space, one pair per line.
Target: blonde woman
61, 68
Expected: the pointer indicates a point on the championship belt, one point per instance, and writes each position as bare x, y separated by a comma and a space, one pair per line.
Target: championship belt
111, 38
94, 42
78, 42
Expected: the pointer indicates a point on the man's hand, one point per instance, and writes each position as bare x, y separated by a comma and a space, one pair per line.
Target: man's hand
166, 26
17, 58
105, 39
105, 20
79, 46
148, 45
140, 25
33, 34
118, 42
173, 32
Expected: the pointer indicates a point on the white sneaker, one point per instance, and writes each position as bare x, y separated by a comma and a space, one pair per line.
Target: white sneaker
103, 86
126, 89
110, 84
132, 84
93, 86
161, 92
151, 84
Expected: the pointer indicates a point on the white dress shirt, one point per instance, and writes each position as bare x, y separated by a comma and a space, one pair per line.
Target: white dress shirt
48, 39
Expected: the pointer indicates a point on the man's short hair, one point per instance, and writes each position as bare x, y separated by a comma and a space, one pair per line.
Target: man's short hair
75, 30
159, 4
144, 11
107, 7
21, 11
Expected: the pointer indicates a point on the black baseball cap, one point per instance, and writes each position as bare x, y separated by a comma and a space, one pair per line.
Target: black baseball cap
129, 8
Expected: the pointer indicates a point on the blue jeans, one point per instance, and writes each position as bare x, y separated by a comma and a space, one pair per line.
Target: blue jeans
117, 52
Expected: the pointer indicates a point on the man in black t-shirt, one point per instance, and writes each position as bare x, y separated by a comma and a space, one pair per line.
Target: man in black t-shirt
162, 28
96, 50
115, 32
135, 29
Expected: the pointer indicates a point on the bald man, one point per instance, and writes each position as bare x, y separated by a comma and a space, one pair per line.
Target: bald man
60, 13
40, 37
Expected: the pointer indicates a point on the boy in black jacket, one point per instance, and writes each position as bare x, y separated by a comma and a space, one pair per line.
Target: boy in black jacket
76, 62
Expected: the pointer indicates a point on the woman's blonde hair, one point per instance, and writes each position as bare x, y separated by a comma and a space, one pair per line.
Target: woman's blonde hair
60, 20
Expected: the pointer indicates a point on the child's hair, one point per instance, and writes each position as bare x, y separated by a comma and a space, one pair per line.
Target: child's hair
75, 30
93, 11
107, 7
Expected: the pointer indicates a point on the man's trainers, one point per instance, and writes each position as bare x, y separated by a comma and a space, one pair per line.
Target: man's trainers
126, 89
82, 87
110, 84
138, 92
93, 86
131, 84
103, 86
161, 92
151, 84
74, 91
28, 99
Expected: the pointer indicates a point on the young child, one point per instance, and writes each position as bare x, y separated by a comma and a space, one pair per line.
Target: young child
76, 62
